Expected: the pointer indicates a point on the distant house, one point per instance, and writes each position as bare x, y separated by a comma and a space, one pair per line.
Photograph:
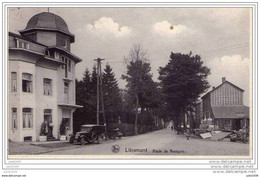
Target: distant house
223, 107
41, 78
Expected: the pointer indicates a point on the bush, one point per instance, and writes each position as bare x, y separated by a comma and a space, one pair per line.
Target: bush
62, 128
43, 131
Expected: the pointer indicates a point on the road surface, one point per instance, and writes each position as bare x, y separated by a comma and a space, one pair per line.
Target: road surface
161, 142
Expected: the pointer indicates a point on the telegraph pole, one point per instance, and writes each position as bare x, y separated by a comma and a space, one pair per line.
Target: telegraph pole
100, 97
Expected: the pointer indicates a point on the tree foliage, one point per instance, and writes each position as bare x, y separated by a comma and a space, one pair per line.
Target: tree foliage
85, 96
183, 79
140, 86
112, 98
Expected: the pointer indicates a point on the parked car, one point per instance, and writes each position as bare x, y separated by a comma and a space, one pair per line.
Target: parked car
90, 133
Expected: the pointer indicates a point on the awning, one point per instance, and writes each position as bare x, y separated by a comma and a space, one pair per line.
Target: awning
65, 105
230, 112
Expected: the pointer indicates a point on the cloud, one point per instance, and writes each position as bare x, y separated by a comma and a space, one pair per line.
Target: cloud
106, 26
164, 28
232, 63
236, 70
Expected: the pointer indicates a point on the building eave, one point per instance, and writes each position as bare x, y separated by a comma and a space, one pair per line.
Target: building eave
74, 57
66, 105
54, 60
72, 37
25, 50
37, 53
230, 112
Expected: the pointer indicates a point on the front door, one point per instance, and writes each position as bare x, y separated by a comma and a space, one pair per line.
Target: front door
48, 119
66, 118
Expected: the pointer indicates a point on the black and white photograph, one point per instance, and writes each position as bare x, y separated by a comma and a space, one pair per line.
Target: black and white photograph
129, 82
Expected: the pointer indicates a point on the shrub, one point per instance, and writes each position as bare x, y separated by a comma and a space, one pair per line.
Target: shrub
43, 131
62, 128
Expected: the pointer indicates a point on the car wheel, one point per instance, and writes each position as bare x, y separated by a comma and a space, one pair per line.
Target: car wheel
82, 141
100, 139
94, 136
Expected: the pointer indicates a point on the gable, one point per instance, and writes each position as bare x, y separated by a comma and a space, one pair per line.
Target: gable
228, 84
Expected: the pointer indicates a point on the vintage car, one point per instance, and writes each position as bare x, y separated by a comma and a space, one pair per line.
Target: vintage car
90, 133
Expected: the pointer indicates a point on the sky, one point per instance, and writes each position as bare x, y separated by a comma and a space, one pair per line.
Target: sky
221, 36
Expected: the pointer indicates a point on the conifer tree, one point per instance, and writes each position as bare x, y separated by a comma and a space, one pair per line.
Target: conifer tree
112, 99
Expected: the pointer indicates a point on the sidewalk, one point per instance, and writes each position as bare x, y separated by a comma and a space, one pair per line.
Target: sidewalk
34, 148
31, 148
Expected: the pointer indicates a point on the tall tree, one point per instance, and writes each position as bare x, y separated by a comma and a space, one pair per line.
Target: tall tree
139, 79
83, 97
86, 90
112, 98
183, 79
77, 115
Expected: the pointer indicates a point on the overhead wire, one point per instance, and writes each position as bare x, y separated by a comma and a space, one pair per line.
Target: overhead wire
220, 49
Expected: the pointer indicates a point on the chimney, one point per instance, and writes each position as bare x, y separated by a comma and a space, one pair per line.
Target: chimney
213, 88
223, 79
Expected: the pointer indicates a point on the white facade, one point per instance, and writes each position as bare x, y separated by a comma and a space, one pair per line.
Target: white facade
41, 85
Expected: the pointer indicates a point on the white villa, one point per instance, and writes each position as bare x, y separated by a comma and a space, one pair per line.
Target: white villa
41, 78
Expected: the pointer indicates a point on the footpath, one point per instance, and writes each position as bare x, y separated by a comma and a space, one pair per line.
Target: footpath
33, 148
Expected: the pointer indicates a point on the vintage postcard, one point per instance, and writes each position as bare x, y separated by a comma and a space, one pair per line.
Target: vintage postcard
129, 81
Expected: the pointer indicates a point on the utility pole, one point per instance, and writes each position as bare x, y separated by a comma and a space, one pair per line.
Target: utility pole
100, 97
